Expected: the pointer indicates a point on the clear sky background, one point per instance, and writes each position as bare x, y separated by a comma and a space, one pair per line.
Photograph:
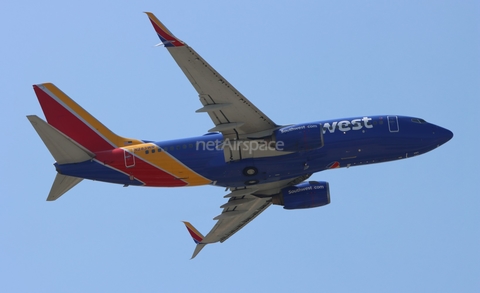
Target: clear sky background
406, 226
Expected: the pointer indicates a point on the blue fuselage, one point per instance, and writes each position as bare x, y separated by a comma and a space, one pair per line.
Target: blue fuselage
344, 143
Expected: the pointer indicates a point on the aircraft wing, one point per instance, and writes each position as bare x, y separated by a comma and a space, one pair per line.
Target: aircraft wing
237, 212
233, 114
244, 205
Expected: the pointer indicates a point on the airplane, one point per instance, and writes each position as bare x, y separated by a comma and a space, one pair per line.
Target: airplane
259, 161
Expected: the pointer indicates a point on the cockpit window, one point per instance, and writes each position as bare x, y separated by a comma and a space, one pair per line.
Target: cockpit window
419, 121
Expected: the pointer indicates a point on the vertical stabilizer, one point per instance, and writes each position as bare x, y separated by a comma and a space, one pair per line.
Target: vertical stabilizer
75, 122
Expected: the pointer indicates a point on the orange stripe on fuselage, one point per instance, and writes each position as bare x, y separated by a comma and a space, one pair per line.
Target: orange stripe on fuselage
167, 162
138, 169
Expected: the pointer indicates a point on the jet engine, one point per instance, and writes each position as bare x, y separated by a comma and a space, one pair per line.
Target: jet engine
303, 196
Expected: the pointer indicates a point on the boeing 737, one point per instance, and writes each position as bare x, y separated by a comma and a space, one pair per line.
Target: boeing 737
259, 161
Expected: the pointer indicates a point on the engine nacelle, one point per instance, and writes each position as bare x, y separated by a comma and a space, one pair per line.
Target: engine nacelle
299, 137
303, 196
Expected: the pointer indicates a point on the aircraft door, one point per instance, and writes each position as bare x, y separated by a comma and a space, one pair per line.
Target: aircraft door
393, 124
129, 159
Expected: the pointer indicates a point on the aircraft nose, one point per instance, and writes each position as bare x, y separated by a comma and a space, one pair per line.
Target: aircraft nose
443, 135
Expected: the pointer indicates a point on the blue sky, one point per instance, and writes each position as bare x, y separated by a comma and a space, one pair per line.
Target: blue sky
406, 226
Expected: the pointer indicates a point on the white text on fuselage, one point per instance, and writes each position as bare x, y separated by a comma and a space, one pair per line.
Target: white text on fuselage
294, 128
345, 125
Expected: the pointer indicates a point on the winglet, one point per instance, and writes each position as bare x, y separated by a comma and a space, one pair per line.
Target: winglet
197, 238
198, 248
167, 38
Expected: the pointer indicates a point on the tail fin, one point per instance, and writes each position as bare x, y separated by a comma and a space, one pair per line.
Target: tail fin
197, 238
71, 135
77, 124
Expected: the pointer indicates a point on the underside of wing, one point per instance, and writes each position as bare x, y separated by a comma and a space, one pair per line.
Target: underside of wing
237, 213
243, 206
233, 114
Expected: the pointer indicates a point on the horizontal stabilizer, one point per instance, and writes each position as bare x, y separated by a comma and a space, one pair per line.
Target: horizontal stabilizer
63, 149
61, 185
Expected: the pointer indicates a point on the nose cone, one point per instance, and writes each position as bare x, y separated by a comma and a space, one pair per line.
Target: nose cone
418, 136
442, 135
